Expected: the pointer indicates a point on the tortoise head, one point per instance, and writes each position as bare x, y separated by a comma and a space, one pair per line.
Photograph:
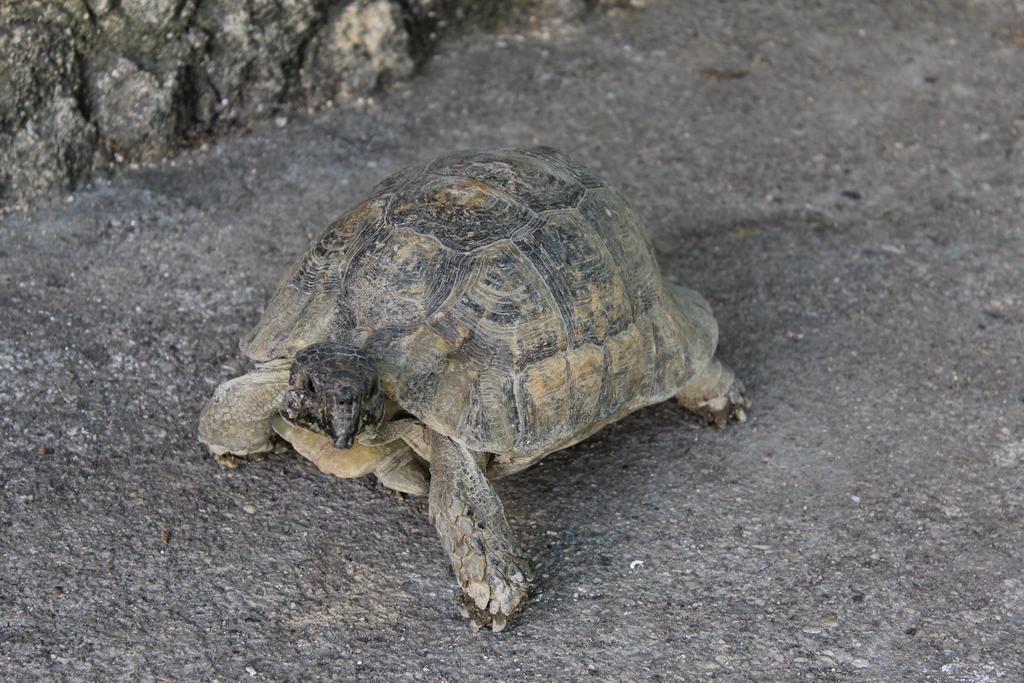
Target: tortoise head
333, 390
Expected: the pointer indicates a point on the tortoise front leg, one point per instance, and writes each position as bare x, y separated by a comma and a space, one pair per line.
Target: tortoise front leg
236, 419
488, 562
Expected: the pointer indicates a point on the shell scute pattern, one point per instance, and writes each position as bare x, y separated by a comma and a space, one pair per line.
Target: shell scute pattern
586, 376
324, 264
543, 398
308, 305
397, 280
619, 227
582, 275
488, 423
464, 214
628, 365
537, 184
504, 315
511, 298
556, 160
680, 346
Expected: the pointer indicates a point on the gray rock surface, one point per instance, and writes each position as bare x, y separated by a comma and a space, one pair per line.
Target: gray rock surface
362, 46
843, 182
46, 142
144, 76
136, 110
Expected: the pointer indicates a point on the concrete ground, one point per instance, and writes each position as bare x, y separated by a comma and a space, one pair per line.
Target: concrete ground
844, 183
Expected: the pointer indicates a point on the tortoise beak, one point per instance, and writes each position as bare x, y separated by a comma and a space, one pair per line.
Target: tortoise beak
344, 426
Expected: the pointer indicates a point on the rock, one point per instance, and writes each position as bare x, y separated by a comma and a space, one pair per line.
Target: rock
53, 150
45, 141
250, 60
361, 47
135, 79
154, 14
146, 31
135, 111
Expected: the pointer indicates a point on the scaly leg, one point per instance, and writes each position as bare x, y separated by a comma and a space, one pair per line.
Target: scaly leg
488, 562
236, 420
716, 395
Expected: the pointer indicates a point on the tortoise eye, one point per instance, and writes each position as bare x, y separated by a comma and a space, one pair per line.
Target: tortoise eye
310, 385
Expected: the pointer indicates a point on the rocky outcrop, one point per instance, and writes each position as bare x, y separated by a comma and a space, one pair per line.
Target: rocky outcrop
84, 82
46, 138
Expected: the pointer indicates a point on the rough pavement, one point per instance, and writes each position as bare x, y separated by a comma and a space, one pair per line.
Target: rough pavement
845, 186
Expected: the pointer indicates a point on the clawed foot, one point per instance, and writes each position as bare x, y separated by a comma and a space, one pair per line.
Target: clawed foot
716, 395
488, 561
494, 590
720, 409
231, 461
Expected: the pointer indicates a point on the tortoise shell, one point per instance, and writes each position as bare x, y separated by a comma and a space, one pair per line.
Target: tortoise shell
510, 297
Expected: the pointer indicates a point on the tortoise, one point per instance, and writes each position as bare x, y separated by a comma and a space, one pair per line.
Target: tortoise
465, 320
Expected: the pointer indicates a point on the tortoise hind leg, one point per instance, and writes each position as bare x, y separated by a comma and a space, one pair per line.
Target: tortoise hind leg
488, 562
236, 419
715, 395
